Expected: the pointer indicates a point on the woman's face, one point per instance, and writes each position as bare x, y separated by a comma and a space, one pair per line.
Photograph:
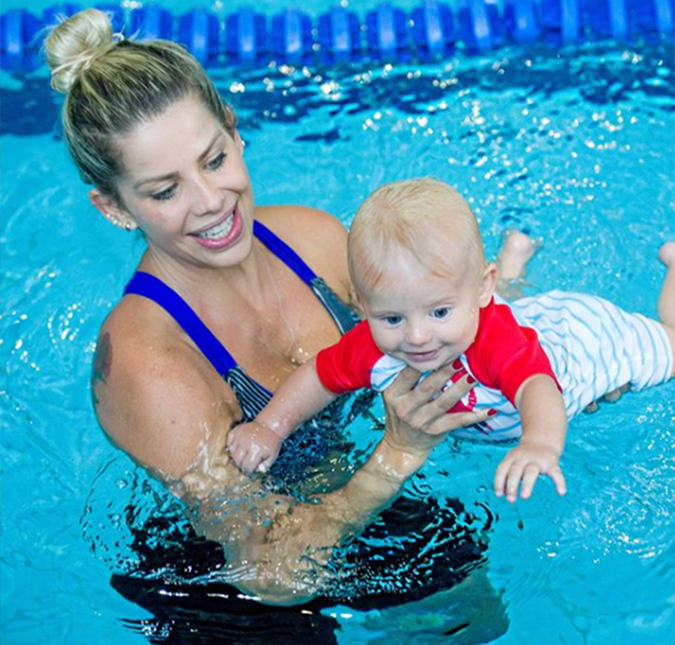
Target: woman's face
186, 186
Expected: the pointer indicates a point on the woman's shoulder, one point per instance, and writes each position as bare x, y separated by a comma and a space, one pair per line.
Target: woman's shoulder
302, 226
318, 237
144, 340
150, 385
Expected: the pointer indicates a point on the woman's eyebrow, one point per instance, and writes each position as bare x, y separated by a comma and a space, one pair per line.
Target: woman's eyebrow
171, 175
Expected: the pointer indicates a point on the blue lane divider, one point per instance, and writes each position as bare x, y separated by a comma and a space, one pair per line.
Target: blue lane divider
246, 37
151, 22
339, 36
292, 37
520, 20
386, 33
433, 29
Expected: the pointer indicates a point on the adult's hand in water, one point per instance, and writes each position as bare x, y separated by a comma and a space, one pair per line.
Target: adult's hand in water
417, 411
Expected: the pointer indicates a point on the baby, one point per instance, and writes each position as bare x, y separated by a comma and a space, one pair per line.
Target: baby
418, 267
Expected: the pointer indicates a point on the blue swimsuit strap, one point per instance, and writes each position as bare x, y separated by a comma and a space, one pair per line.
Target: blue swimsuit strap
284, 252
144, 284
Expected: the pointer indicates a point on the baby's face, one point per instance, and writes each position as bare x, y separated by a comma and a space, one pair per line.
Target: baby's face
420, 318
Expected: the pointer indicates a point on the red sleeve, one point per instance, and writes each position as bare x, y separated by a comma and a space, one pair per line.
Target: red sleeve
346, 366
504, 354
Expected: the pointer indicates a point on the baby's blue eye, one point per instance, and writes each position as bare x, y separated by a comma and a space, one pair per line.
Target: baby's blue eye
441, 312
392, 320
164, 195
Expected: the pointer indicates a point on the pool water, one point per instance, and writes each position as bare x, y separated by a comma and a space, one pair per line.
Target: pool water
576, 147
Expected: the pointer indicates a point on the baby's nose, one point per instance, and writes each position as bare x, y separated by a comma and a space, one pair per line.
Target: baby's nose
417, 334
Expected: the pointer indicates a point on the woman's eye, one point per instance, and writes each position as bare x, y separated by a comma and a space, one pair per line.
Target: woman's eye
441, 312
165, 194
216, 162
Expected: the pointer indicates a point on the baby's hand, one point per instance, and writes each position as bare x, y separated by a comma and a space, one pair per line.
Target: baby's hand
253, 447
525, 463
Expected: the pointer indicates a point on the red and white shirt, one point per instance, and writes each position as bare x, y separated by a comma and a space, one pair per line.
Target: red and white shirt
502, 357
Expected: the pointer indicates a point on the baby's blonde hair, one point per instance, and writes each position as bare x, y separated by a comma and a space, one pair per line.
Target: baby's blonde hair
113, 84
426, 217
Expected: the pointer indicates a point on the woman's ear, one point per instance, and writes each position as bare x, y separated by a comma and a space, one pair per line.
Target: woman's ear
109, 208
488, 284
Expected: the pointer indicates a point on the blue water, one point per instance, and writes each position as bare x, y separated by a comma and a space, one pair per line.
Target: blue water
577, 148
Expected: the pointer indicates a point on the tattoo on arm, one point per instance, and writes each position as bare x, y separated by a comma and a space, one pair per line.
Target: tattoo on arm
102, 364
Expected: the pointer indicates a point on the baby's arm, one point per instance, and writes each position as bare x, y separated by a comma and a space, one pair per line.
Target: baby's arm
544, 423
255, 446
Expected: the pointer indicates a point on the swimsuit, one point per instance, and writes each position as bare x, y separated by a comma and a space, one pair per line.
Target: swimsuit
586, 344
251, 395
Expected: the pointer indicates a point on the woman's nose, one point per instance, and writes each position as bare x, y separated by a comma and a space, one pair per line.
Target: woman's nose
208, 197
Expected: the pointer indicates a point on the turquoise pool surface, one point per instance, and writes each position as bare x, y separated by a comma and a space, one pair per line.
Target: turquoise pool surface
576, 147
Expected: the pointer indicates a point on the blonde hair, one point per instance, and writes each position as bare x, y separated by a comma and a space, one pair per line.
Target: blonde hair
113, 84
426, 217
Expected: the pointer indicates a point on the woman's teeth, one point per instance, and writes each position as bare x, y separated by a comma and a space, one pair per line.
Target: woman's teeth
218, 231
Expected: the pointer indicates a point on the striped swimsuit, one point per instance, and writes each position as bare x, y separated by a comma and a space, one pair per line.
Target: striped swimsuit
251, 395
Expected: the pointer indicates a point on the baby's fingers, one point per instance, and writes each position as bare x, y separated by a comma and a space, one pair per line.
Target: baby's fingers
250, 462
513, 481
265, 464
501, 475
530, 475
559, 480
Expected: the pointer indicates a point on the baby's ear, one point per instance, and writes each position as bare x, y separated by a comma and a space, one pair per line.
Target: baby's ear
355, 302
488, 284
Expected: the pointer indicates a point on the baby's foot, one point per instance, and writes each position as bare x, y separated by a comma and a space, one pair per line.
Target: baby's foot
517, 250
667, 253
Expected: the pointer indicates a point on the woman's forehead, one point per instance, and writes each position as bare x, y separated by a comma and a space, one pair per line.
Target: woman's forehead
160, 145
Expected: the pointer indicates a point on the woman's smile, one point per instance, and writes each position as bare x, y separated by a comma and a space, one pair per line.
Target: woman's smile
223, 233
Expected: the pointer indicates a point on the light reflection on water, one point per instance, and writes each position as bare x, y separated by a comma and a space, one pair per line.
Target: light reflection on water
578, 151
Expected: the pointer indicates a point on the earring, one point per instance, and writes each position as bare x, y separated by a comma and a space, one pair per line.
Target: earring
128, 227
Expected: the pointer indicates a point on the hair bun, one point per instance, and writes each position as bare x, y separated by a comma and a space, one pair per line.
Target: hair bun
75, 43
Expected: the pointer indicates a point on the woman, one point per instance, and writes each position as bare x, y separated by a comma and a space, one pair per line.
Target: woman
147, 128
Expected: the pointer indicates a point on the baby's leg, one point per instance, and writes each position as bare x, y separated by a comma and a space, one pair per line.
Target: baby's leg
666, 303
517, 250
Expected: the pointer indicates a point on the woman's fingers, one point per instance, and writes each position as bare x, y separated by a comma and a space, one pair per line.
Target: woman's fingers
404, 382
421, 403
449, 421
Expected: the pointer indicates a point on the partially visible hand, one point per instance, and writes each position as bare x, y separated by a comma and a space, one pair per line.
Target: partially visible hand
417, 415
523, 465
253, 447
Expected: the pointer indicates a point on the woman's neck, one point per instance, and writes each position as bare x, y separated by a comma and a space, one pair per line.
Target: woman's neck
211, 286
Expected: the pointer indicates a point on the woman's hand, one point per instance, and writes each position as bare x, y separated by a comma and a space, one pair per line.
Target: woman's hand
253, 447
417, 415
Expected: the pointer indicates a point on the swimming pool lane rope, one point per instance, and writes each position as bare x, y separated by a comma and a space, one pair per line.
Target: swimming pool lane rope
433, 30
